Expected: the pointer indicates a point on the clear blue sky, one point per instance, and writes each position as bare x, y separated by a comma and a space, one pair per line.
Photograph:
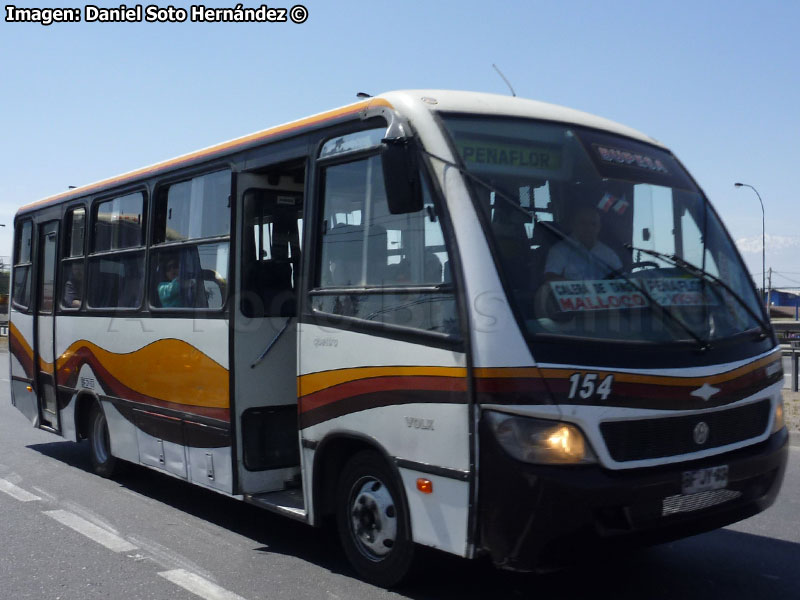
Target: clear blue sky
718, 82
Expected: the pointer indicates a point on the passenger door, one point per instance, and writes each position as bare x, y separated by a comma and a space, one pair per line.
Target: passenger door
44, 326
269, 209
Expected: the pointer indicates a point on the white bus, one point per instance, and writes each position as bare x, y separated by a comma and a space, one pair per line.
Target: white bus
482, 324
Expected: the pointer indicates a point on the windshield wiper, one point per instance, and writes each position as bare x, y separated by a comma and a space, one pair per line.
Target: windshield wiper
677, 261
704, 344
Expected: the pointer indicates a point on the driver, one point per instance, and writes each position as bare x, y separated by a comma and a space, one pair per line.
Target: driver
582, 256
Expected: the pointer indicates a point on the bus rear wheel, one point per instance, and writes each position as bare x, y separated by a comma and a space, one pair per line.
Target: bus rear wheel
373, 521
103, 463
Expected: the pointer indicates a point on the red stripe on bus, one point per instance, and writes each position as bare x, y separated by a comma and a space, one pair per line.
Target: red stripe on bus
456, 385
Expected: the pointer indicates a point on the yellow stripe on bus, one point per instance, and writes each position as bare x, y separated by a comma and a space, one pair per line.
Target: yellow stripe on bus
315, 382
170, 370
17, 334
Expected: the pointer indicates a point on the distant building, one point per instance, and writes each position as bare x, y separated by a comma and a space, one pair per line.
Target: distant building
784, 302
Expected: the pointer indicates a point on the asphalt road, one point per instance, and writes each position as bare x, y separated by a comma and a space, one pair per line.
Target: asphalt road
68, 534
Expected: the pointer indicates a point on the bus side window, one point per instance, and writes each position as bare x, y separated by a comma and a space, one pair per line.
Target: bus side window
116, 266
118, 223
21, 292
116, 281
366, 247
72, 266
190, 255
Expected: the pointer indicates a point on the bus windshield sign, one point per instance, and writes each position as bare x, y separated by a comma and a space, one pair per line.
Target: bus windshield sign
630, 159
604, 294
507, 156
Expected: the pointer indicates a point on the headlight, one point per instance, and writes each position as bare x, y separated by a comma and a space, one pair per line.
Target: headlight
779, 422
538, 441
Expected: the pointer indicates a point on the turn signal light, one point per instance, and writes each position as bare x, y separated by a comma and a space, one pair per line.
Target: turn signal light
780, 420
425, 485
29, 388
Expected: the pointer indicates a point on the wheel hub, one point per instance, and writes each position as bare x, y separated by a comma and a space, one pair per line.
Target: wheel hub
373, 518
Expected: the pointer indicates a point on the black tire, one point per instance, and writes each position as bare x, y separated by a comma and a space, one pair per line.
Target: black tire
103, 463
373, 522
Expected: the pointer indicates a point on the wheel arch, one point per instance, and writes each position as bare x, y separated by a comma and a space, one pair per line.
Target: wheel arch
330, 456
83, 408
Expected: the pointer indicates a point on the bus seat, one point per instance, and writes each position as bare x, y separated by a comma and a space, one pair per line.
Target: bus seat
377, 255
513, 244
276, 291
269, 289
129, 292
543, 239
104, 290
433, 268
344, 249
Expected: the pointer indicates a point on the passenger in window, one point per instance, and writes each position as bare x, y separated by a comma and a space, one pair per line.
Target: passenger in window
73, 288
170, 291
582, 256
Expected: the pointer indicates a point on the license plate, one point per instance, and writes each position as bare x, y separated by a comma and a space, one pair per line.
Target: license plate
702, 480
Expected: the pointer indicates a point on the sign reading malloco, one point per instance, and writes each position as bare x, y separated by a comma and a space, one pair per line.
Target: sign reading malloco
622, 294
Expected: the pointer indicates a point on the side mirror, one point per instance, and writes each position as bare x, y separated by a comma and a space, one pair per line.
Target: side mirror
401, 176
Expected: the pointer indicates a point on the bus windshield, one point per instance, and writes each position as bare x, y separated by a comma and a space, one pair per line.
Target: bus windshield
600, 236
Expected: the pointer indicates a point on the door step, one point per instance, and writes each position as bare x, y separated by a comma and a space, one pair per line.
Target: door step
289, 503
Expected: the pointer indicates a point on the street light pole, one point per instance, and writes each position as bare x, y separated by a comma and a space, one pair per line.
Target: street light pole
763, 244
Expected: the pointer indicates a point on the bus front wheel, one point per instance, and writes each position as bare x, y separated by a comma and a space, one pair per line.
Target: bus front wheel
103, 463
373, 521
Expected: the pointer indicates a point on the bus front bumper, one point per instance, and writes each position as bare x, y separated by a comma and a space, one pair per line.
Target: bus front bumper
534, 517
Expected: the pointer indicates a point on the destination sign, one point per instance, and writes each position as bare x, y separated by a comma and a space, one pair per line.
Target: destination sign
615, 294
491, 154
630, 159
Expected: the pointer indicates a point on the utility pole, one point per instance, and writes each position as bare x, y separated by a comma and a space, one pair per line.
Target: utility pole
769, 289
763, 239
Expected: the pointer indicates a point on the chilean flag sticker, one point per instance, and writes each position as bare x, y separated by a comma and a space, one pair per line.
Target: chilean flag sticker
606, 202
621, 206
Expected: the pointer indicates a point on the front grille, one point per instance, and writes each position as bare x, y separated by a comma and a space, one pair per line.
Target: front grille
670, 436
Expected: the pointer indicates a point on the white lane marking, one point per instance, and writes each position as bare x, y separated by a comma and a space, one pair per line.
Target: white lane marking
97, 534
17, 492
198, 586
45, 494
166, 558
90, 516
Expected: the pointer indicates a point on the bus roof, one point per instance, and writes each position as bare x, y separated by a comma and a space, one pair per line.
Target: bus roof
497, 105
406, 102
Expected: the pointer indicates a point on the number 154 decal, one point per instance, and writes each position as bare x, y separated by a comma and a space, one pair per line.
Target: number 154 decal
585, 386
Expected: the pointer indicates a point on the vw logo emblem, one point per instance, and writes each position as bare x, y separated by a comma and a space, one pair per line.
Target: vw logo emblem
701, 433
